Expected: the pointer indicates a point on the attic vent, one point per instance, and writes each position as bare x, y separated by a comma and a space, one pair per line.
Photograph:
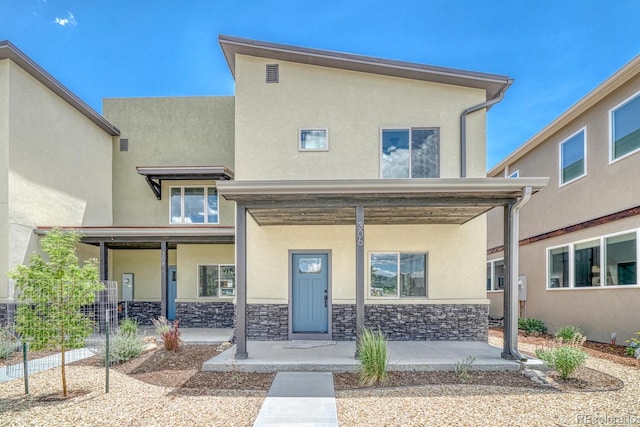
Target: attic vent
272, 73
124, 144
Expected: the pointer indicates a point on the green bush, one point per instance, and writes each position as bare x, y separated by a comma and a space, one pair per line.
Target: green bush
8, 343
124, 346
569, 333
564, 360
463, 367
373, 357
532, 326
129, 327
632, 345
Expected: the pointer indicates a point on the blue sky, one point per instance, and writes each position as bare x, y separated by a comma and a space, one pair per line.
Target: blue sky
557, 50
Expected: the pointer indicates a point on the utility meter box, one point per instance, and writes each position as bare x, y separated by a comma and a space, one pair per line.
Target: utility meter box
522, 288
127, 286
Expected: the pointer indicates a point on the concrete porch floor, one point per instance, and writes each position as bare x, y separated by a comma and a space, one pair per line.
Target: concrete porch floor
338, 356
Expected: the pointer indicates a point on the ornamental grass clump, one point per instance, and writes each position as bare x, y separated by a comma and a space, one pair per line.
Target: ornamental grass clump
169, 333
373, 356
564, 360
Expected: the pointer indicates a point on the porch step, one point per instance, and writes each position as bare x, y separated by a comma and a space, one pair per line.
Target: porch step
301, 399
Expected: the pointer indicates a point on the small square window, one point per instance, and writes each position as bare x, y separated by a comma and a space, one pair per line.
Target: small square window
314, 140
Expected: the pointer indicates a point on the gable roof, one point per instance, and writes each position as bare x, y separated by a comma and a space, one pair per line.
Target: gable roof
620, 77
493, 84
10, 51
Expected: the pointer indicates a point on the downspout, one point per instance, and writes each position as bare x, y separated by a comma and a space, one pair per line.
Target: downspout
514, 273
463, 125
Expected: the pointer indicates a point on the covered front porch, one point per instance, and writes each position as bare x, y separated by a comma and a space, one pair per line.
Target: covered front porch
360, 203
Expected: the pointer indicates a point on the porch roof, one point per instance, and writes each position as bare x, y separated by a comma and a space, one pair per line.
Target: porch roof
385, 201
150, 237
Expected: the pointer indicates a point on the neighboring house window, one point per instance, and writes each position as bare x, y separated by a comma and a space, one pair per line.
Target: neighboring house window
399, 275
572, 157
580, 265
216, 280
314, 140
495, 275
625, 128
515, 174
194, 205
410, 153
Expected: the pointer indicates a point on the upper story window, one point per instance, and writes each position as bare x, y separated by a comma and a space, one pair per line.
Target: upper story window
572, 157
314, 140
514, 174
410, 153
625, 128
194, 205
398, 275
603, 261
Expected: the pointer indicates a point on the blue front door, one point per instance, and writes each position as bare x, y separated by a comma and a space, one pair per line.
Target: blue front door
309, 293
171, 294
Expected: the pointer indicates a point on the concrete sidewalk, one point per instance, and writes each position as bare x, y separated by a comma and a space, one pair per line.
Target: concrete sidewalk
12, 372
301, 399
338, 356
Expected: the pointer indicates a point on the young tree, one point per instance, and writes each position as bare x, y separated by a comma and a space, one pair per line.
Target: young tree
51, 294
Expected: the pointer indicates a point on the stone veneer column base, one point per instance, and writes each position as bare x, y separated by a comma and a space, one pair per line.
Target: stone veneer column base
142, 311
415, 322
268, 322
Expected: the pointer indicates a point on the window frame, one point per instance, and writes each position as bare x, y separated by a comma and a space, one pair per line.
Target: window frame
514, 174
602, 239
304, 150
410, 129
398, 295
613, 159
206, 197
219, 294
494, 287
584, 157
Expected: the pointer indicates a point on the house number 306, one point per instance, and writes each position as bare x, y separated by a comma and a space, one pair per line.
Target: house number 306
360, 233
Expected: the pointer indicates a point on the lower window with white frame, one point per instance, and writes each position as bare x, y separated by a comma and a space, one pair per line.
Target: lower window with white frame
495, 275
216, 280
398, 275
609, 260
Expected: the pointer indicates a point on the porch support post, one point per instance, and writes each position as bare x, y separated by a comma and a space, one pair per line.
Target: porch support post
507, 324
164, 277
359, 271
104, 261
241, 281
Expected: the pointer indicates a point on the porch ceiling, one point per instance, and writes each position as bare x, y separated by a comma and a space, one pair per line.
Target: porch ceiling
430, 201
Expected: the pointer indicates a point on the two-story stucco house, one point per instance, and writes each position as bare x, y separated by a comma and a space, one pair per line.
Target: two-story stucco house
579, 237
333, 192
49, 141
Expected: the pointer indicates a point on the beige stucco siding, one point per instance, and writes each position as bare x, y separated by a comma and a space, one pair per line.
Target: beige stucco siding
449, 247
354, 107
181, 131
145, 265
189, 257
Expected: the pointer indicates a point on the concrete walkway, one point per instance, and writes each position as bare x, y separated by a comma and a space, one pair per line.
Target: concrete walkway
338, 356
11, 372
301, 399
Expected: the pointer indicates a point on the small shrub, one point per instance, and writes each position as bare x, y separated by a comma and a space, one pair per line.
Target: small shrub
632, 345
162, 325
564, 360
567, 333
124, 346
463, 367
129, 327
171, 338
8, 343
373, 357
532, 326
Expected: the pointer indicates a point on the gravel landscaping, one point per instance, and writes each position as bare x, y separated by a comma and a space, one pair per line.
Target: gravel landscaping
166, 388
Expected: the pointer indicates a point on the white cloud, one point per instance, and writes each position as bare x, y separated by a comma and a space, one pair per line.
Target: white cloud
68, 20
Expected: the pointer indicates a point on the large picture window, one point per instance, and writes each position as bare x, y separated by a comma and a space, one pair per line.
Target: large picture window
605, 261
216, 280
572, 157
399, 275
194, 205
410, 153
625, 128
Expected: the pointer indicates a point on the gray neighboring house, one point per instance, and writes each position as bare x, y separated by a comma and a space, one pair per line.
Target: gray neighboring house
579, 237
